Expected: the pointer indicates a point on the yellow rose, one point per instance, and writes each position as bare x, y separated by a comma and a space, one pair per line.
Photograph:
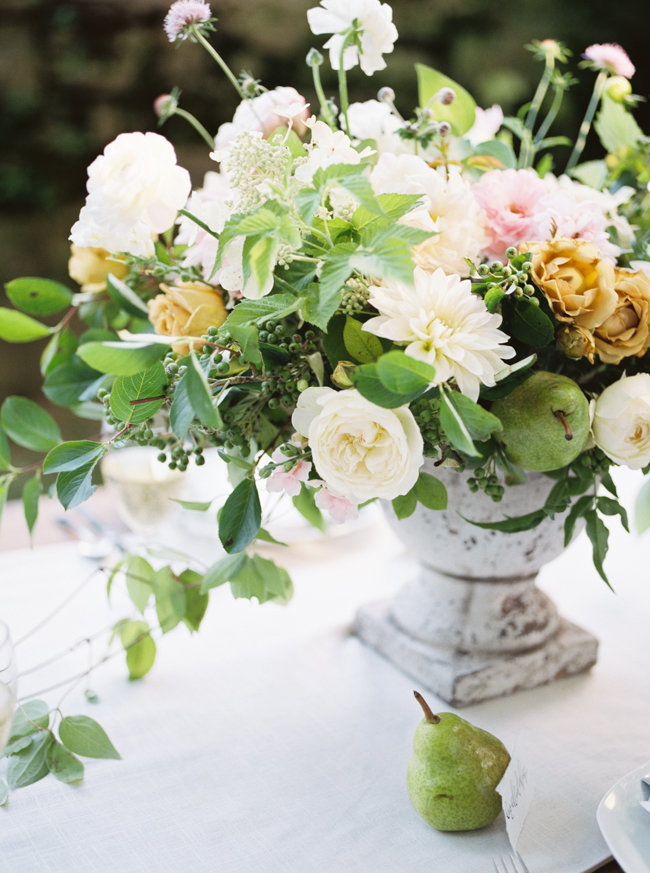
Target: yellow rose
627, 331
89, 267
577, 282
187, 309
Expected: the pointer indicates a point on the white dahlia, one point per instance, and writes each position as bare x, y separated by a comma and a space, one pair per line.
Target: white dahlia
441, 322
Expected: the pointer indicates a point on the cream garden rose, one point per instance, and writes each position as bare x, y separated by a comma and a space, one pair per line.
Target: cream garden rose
360, 450
135, 189
621, 421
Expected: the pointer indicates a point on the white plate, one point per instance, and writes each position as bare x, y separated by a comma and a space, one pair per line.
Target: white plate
624, 824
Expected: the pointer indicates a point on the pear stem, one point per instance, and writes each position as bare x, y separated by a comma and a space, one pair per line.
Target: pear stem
568, 435
429, 716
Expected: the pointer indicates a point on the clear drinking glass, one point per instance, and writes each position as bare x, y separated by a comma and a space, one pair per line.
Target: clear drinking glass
8, 684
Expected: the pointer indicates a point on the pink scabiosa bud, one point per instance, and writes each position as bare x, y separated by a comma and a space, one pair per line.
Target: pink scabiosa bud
183, 15
164, 106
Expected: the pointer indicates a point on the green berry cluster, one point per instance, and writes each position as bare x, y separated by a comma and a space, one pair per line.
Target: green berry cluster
354, 296
426, 412
511, 278
482, 480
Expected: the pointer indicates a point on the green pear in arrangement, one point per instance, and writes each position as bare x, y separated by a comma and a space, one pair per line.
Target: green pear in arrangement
545, 422
454, 771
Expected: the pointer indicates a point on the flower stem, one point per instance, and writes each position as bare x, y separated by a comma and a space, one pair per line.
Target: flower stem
527, 151
196, 124
343, 80
217, 57
322, 99
585, 127
551, 115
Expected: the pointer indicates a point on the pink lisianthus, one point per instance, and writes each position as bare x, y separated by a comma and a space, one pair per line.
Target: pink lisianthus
510, 199
338, 508
610, 57
289, 482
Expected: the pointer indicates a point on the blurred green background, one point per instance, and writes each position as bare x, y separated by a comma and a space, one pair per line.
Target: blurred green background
75, 74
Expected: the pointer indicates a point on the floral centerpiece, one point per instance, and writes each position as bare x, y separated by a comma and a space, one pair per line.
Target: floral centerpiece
350, 290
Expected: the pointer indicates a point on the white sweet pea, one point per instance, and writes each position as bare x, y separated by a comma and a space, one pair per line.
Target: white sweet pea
376, 32
621, 421
359, 450
135, 189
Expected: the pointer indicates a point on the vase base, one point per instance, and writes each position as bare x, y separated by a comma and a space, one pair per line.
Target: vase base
462, 678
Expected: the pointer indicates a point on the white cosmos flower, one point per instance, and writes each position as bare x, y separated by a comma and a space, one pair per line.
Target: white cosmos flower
360, 450
327, 147
135, 189
449, 210
441, 322
377, 33
621, 421
375, 120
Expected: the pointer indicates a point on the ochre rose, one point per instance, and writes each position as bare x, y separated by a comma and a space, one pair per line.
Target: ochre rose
627, 330
89, 267
576, 342
577, 282
187, 309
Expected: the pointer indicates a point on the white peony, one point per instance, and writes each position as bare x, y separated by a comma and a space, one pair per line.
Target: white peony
359, 450
441, 322
135, 189
449, 210
374, 22
621, 421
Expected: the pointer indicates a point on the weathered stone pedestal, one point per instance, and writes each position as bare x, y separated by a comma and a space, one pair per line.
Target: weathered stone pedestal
473, 625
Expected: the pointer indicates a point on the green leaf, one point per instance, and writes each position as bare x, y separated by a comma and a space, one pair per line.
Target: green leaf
493, 297
305, 503
28, 425
127, 299
181, 411
30, 764
577, 511
38, 296
31, 492
500, 151
84, 736
72, 455
171, 601
17, 746
642, 508
246, 335
264, 580
29, 717
404, 505
139, 581
129, 393
307, 201
5, 451
388, 259
264, 536
591, 173
336, 270
609, 506
122, 358
258, 311
241, 517
454, 426
366, 380
139, 647
320, 304
460, 114
75, 486
193, 505
402, 374
362, 346
479, 422
199, 393
72, 382
15, 327
599, 536
512, 524
63, 764
224, 571
4, 494
615, 126
196, 599
431, 492
530, 325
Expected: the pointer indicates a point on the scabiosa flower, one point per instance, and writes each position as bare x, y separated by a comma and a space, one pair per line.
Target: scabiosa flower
610, 57
442, 323
182, 15
373, 24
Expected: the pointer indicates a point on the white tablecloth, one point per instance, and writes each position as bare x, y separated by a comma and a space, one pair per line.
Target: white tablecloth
274, 741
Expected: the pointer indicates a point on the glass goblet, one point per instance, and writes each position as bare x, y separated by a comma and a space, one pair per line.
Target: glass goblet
7, 684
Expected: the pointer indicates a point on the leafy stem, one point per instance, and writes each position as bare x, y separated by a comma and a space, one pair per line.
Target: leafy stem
196, 33
585, 127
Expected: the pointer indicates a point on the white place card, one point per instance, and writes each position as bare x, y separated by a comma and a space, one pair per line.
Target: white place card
516, 790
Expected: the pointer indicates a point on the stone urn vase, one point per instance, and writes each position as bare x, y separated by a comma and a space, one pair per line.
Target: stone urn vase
472, 624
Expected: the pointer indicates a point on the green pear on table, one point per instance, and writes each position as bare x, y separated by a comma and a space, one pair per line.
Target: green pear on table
545, 422
454, 772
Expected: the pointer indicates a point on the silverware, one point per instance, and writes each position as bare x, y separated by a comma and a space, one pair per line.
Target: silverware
92, 543
510, 863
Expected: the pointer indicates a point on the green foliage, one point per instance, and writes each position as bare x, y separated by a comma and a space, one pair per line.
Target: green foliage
38, 296
137, 398
241, 517
139, 647
460, 114
82, 735
305, 503
615, 126
28, 425
122, 358
16, 327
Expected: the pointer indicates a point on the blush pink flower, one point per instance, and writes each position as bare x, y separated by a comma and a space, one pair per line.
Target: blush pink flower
563, 216
182, 15
510, 200
338, 508
288, 482
610, 57
281, 107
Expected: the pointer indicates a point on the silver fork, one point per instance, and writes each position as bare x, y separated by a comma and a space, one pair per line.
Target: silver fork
510, 863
